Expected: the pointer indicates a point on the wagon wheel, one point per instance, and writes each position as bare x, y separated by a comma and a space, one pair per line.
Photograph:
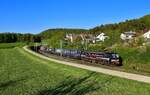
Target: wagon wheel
102, 62
96, 61
93, 61
82, 61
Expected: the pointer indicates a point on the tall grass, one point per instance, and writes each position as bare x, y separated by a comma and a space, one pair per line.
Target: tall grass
11, 45
135, 55
24, 74
135, 60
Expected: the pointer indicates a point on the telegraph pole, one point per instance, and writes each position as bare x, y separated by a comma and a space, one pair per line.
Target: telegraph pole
61, 46
85, 44
36, 47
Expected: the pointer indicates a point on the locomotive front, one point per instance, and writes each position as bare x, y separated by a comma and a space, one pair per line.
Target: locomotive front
115, 59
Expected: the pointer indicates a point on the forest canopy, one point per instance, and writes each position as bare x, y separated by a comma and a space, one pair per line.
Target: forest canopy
17, 37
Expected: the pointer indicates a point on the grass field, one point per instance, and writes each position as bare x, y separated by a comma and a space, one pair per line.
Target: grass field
25, 74
11, 45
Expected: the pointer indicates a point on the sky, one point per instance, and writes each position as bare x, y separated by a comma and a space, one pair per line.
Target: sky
34, 16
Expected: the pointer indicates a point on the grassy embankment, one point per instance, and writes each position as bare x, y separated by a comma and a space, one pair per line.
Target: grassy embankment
11, 45
135, 60
25, 74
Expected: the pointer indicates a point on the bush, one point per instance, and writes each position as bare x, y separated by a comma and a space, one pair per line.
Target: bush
140, 41
134, 55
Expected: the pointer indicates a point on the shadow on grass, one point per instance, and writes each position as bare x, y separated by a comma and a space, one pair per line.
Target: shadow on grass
9, 83
7, 47
72, 86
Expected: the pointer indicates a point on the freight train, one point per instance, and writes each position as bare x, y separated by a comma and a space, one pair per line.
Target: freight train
105, 58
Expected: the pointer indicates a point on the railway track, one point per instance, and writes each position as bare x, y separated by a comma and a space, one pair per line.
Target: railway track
136, 77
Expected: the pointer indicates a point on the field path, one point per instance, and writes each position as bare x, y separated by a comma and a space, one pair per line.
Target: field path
125, 75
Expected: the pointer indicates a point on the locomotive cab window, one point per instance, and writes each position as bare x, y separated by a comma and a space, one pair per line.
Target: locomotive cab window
114, 56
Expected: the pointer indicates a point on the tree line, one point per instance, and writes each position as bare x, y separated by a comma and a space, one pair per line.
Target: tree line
137, 25
18, 37
61, 32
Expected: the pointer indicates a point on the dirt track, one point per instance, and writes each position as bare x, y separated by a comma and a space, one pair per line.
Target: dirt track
130, 76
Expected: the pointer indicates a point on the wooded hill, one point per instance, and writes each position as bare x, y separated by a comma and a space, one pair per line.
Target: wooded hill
17, 37
139, 25
136, 25
54, 35
60, 32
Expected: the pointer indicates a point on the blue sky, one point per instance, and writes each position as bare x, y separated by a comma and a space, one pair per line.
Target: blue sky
34, 16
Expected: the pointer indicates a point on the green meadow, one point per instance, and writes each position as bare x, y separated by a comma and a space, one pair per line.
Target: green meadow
24, 74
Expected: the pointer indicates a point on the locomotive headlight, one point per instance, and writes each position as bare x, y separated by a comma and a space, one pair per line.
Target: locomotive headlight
117, 55
113, 60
